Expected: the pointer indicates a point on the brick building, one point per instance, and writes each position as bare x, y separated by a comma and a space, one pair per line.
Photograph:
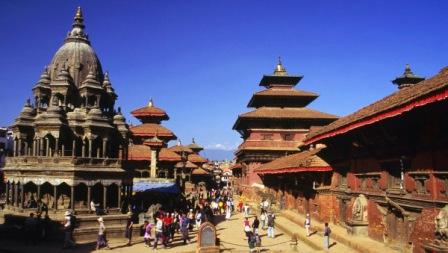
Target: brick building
389, 161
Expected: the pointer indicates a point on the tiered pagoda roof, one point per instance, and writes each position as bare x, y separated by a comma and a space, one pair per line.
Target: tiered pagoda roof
143, 153
151, 118
278, 108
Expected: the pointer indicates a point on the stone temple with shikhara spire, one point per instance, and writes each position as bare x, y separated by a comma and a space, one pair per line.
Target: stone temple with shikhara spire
69, 143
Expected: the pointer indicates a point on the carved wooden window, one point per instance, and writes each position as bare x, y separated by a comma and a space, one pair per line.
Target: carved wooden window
266, 136
420, 184
375, 183
288, 137
363, 183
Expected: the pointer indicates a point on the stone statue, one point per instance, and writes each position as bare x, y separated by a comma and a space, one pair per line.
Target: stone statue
359, 210
152, 210
441, 222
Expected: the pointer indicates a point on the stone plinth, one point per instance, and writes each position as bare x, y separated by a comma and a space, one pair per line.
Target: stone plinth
207, 239
357, 227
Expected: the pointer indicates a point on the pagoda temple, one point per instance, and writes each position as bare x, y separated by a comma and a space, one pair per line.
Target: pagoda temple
278, 124
148, 153
69, 143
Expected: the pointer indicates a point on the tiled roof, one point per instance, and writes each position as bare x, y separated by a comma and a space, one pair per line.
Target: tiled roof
149, 111
269, 145
151, 129
299, 162
143, 153
180, 148
285, 92
406, 99
187, 164
200, 171
195, 146
292, 113
194, 158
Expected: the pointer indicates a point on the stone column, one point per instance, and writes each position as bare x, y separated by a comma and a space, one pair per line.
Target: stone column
83, 149
14, 148
34, 147
7, 192
38, 192
26, 149
120, 189
89, 193
41, 147
104, 147
22, 188
55, 197
74, 148
90, 148
16, 192
56, 147
104, 196
62, 150
47, 148
19, 148
153, 170
72, 197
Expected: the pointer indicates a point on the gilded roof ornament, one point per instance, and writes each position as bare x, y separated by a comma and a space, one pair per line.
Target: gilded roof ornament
408, 78
280, 69
151, 103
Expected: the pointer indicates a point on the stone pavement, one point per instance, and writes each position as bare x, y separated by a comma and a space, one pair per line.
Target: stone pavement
230, 234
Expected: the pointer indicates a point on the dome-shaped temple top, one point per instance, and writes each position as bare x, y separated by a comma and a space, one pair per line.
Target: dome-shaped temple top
76, 55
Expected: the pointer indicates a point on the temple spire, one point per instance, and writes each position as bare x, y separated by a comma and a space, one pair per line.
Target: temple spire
408, 78
279, 69
79, 19
77, 33
151, 103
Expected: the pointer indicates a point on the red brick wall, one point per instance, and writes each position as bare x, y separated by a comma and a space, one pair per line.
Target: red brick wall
375, 218
424, 228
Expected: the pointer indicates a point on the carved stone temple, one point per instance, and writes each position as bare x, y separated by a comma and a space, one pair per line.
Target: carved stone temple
69, 143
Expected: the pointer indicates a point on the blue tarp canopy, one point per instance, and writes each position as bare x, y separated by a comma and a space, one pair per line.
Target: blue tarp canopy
156, 187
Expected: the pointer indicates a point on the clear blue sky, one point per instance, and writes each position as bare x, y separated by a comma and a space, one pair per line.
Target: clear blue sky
202, 60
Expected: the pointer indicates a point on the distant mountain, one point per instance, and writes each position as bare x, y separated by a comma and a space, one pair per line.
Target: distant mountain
218, 154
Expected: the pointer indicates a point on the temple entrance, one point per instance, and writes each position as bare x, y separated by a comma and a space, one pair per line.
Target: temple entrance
30, 195
80, 197
112, 196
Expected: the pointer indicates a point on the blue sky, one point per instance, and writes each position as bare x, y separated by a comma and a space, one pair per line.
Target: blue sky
202, 60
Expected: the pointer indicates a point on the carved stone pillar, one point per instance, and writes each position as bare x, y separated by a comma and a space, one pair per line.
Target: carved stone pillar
120, 189
16, 198
104, 196
62, 150
55, 197
25, 152
14, 148
153, 169
34, 147
72, 197
89, 193
56, 147
38, 192
83, 149
104, 147
90, 148
7, 192
41, 146
74, 148
47, 147
22, 200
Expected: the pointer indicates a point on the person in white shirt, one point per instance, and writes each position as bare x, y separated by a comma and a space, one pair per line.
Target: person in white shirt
307, 224
102, 241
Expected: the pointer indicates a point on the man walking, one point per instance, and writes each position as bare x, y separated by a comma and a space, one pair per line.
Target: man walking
307, 224
271, 223
327, 232
68, 230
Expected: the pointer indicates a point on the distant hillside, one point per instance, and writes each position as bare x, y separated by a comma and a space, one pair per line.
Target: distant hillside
217, 154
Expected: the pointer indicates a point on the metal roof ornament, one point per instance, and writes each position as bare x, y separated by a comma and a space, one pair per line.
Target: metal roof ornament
280, 69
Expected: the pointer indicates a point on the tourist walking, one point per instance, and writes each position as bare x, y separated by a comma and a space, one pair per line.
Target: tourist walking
247, 229
327, 232
255, 225
147, 236
129, 224
307, 224
198, 219
102, 240
159, 232
271, 224
68, 230
246, 210
184, 225
228, 212
263, 219
251, 240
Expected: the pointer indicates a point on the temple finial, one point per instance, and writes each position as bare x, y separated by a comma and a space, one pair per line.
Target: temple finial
151, 103
192, 141
279, 69
79, 19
